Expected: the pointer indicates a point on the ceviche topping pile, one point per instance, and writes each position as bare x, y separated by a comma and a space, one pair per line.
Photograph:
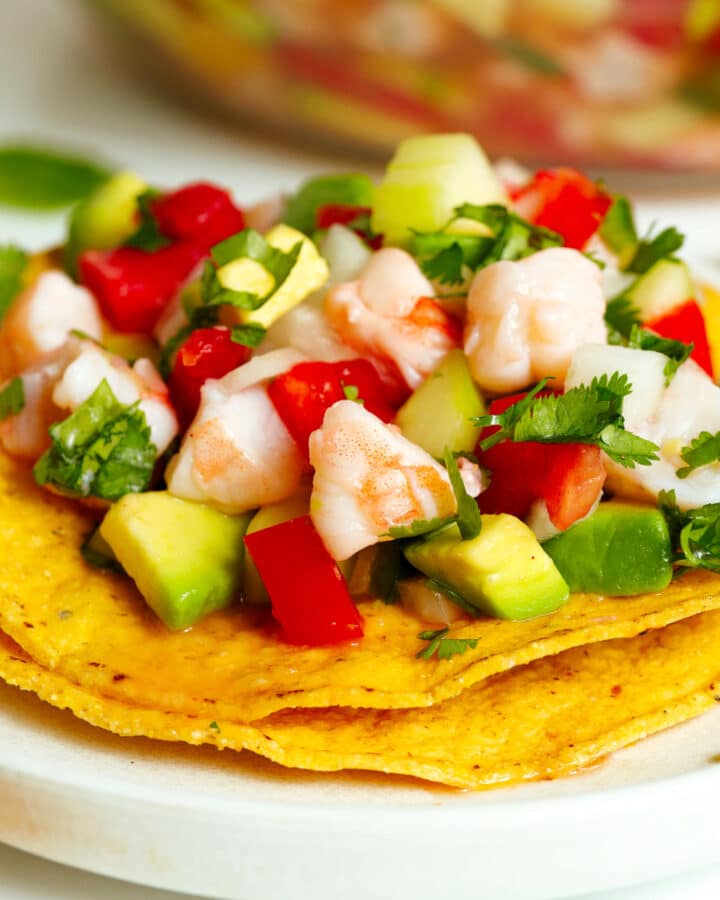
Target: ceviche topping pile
469, 394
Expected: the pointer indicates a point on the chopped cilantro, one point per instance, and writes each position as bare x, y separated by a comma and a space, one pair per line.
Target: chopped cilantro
618, 228
694, 534
676, 351
13, 261
702, 451
248, 335
650, 251
444, 647
12, 398
246, 245
587, 414
418, 528
468, 519
352, 392
147, 236
102, 450
443, 254
620, 316
214, 726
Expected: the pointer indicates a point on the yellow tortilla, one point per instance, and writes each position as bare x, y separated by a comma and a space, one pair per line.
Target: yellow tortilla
542, 720
94, 630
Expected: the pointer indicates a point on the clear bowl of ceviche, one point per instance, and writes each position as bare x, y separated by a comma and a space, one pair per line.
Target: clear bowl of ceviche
621, 83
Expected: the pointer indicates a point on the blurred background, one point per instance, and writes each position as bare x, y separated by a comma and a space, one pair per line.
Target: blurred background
633, 84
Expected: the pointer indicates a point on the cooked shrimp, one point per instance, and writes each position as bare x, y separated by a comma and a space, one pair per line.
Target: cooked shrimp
389, 313
237, 454
525, 319
140, 382
42, 317
368, 479
687, 407
25, 435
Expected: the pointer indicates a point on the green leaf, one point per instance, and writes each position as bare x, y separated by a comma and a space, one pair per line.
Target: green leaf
248, 244
248, 335
587, 414
38, 178
349, 190
700, 537
102, 450
13, 261
352, 392
148, 236
702, 451
676, 351
170, 349
507, 420
444, 647
468, 519
12, 399
651, 251
529, 56
620, 317
418, 527
618, 228
443, 254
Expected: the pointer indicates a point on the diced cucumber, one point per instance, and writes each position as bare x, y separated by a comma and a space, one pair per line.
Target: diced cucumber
438, 413
426, 179
351, 190
253, 590
185, 558
664, 286
503, 572
620, 550
106, 218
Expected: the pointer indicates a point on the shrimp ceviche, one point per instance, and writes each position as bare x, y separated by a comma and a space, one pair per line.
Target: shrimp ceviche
469, 391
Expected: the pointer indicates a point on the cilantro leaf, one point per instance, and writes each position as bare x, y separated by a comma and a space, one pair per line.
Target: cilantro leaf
650, 251
468, 519
248, 335
12, 398
147, 236
508, 419
618, 228
702, 451
247, 244
620, 316
700, 537
418, 528
676, 351
13, 261
38, 178
586, 414
102, 450
444, 647
352, 392
443, 254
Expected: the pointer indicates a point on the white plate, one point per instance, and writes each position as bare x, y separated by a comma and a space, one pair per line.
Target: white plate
227, 825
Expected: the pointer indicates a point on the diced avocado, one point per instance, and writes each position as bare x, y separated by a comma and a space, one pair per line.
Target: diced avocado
106, 218
350, 190
426, 179
502, 572
309, 273
253, 590
664, 286
620, 550
185, 558
438, 413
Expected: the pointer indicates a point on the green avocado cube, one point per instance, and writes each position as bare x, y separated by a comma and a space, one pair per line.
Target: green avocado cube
438, 414
620, 550
502, 572
185, 558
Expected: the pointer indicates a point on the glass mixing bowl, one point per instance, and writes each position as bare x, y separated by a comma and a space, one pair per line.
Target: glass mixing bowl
628, 83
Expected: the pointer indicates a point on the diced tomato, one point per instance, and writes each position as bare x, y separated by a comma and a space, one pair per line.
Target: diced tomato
564, 201
207, 353
686, 323
201, 212
309, 596
133, 286
303, 394
347, 214
657, 23
568, 477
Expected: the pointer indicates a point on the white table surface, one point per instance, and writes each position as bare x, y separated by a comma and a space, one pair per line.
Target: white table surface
61, 85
